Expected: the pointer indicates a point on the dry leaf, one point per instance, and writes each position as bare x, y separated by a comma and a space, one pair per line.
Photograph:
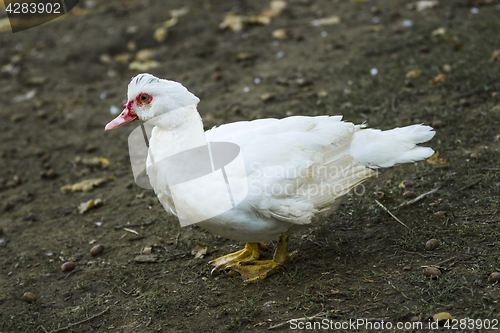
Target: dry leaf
142, 66
423, 5
179, 12
170, 23
277, 5
160, 34
266, 97
280, 34
199, 250
439, 32
105, 59
264, 20
86, 185
122, 58
413, 74
332, 20
232, 21
93, 162
245, 56
5, 24
442, 316
374, 28
439, 78
85, 206
236, 22
146, 258
275, 8
145, 54
436, 161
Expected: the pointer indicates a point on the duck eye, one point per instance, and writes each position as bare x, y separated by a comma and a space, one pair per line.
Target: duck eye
143, 98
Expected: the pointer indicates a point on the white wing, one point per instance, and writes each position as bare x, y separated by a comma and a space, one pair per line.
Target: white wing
296, 166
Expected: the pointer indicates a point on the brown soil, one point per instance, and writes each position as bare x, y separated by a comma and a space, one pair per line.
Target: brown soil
56, 89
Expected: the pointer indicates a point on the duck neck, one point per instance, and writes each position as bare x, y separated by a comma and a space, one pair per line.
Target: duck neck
177, 131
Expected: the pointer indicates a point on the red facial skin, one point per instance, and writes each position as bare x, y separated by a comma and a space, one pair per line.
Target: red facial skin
128, 114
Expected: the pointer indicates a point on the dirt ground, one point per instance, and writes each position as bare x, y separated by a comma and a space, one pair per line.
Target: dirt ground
59, 81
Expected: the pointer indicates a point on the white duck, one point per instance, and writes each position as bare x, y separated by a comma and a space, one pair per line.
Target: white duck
313, 160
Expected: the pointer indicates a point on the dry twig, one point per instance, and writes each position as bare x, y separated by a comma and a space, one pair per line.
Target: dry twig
470, 185
320, 314
420, 197
393, 216
77, 323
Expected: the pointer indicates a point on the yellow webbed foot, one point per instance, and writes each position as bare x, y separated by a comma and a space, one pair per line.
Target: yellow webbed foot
260, 269
249, 254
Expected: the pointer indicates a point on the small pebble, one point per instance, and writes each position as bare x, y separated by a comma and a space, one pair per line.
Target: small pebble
432, 272
68, 266
437, 124
407, 23
217, 76
97, 250
29, 297
407, 183
474, 156
45, 157
494, 277
16, 179
147, 250
49, 174
409, 195
478, 281
39, 152
441, 214
425, 49
42, 114
303, 82
90, 148
431, 244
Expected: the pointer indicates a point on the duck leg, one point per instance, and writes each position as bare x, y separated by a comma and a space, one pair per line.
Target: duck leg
260, 269
249, 254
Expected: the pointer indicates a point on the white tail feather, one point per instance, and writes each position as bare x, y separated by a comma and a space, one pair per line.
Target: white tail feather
375, 148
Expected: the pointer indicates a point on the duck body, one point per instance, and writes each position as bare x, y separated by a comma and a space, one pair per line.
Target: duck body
294, 169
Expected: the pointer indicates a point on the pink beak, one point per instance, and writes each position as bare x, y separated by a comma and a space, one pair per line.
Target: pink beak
125, 117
